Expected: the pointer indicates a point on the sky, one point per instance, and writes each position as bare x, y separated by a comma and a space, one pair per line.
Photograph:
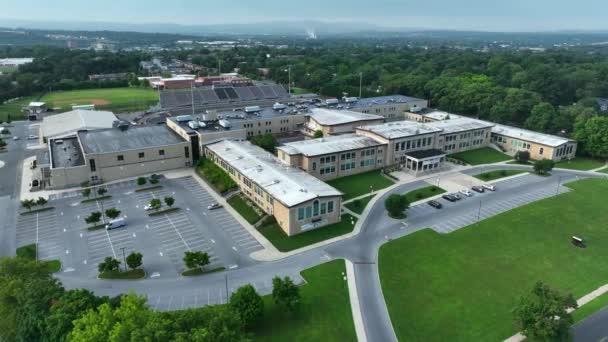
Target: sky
485, 15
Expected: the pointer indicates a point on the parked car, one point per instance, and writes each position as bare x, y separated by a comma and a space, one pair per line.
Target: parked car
214, 205
15, 138
32, 137
449, 197
478, 188
435, 204
148, 207
466, 192
490, 187
117, 223
456, 196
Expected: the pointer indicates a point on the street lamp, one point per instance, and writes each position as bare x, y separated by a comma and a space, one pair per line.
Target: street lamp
124, 260
479, 212
559, 180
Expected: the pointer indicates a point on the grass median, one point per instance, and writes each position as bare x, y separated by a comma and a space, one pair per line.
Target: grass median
34, 211
88, 200
498, 174
359, 205
199, 271
244, 208
463, 286
137, 273
422, 193
284, 243
29, 252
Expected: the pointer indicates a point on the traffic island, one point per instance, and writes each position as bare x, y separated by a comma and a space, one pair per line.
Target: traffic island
88, 200
34, 211
137, 273
199, 271
150, 188
162, 212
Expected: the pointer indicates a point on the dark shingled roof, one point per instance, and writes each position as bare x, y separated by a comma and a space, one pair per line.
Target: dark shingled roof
425, 153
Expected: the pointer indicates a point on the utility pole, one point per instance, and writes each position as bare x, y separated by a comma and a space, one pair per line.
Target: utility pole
192, 96
289, 76
226, 277
360, 83
124, 260
559, 180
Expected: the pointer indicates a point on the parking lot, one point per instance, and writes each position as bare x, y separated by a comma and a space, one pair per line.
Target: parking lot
163, 239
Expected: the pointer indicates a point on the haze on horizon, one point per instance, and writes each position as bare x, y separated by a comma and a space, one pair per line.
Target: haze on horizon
474, 15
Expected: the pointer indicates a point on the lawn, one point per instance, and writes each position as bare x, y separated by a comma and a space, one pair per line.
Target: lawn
497, 174
14, 108
590, 308
324, 313
484, 155
422, 193
29, 252
580, 163
285, 243
299, 91
113, 99
242, 207
604, 170
359, 205
214, 175
462, 286
360, 184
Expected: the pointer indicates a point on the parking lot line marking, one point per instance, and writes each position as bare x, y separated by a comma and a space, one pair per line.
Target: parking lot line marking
178, 233
110, 241
208, 297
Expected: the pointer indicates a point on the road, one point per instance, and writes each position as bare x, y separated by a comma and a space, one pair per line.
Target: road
592, 329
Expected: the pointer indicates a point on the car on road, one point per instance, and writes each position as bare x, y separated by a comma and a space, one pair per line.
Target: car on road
490, 187
15, 138
116, 223
456, 196
478, 188
32, 137
450, 197
214, 205
466, 192
148, 207
435, 204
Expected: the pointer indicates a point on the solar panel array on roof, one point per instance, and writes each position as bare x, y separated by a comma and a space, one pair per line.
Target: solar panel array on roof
268, 92
279, 90
221, 93
244, 93
231, 93
256, 92
209, 96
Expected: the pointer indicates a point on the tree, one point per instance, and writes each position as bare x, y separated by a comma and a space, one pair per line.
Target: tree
154, 181
196, 259
248, 304
86, 192
141, 180
112, 213
592, 133
543, 166
108, 264
318, 134
541, 117
134, 260
522, 157
28, 204
93, 218
41, 201
169, 201
285, 293
27, 292
72, 305
2, 143
396, 205
543, 314
266, 141
102, 191
155, 203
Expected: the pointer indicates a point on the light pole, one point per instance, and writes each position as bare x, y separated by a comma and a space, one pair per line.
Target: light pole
289, 79
226, 278
479, 212
360, 83
559, 180
124, 259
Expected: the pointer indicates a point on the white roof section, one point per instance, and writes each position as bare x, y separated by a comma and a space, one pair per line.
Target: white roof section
331, 117
333, 144
441, 115
400, 129
460, 124
69, 123
288, 185
37, 104
531, 136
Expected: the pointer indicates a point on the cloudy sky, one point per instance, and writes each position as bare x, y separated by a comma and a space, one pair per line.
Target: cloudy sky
503, 15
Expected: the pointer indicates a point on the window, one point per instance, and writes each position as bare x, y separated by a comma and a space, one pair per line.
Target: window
120, 157
315, 208
330, 206
300, 214
323, 208
161, 152
308, 212
141, 154
92, 165
314, 165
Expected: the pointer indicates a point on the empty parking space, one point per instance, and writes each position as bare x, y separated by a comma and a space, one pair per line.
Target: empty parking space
40, 228
108, 243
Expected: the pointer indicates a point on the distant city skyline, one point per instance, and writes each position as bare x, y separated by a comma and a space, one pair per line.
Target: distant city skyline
474, 15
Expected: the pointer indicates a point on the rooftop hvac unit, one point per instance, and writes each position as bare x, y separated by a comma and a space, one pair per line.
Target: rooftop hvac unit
279, 106
210, 115
252, 109
225, 123
193, 124
350, 99
183, 118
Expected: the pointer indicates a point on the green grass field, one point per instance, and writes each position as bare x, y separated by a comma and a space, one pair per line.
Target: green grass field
462, 286
299, 91
324, 313
498, 174
240, 205
29, 252
604, 170
580, 163
360, 184
14, 108
285, 243
113, 99
484, 155
422, 193
359, 205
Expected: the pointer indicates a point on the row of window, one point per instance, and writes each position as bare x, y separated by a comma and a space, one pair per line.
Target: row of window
347, 166
367, 162
368, 153
348, 155
121, 157
315, 209
327, 170
411, 144
328, 159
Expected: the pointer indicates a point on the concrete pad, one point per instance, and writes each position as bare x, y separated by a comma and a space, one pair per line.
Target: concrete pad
454, 182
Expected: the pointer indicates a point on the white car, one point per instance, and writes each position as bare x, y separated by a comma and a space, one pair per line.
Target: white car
148, 207
490, 187
32, 137
15, 138
466, 192
214, 205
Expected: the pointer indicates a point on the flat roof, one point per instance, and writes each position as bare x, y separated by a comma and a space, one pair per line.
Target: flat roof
289, 185
460, 124
423, 154
65, 153
531, 136
69, 123
331, 117
382, 100
37, 104
116, 140
400, 129
333, 144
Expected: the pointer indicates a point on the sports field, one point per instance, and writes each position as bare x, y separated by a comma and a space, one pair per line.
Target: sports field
13, 109
113, 99
462, 286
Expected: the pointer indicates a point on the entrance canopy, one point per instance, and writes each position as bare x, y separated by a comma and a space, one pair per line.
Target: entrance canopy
424, 161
